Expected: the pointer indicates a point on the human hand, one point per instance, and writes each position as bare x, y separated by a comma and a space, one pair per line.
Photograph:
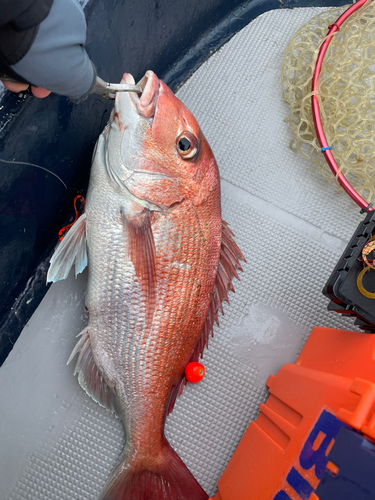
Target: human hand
19, 87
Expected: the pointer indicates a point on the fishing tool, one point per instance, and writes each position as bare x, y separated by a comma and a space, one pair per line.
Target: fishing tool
109, 90
102, 88
328, 85
327, 79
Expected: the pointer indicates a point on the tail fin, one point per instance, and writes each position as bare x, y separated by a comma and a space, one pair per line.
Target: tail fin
167, 479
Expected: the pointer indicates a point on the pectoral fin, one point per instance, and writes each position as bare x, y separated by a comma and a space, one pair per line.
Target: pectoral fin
71, 250
141, 251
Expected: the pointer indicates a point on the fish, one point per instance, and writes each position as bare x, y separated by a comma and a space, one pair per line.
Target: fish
160, 264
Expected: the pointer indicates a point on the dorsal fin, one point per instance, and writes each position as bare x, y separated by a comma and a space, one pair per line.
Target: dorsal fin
228, 265
89, 376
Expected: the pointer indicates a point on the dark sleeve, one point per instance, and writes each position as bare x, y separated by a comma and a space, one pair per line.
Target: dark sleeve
23, 14
19, 23
51, 54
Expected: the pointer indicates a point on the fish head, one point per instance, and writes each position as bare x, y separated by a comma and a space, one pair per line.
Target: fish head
155, 148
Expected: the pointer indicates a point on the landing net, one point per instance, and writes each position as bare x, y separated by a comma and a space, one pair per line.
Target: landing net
346, 94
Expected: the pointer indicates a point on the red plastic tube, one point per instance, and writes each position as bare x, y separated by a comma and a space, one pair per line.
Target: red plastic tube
316, 112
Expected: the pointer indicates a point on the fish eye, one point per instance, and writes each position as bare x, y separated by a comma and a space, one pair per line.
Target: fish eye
184, 144
187, 145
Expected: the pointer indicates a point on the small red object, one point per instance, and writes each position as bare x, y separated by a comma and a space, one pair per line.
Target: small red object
65, 229
194, 372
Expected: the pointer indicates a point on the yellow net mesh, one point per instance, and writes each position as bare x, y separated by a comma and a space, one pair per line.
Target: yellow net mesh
346, 94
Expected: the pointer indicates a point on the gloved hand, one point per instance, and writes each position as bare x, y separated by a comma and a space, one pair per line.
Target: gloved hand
42, 44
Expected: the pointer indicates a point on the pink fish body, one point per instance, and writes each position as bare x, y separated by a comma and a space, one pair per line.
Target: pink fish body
160, 264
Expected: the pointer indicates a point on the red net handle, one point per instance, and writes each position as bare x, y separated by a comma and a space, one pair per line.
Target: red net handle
316, 112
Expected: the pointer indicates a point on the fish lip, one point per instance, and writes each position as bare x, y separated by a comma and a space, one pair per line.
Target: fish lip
146, 103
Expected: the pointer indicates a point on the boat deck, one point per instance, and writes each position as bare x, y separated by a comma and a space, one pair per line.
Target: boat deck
56, 443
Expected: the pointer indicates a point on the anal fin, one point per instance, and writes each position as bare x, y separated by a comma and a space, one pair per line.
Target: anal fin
89, 376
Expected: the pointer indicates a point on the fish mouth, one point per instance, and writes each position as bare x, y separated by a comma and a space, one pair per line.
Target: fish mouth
145, 104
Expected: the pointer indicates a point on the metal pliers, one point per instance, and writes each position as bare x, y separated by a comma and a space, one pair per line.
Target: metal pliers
102, 88
108, 90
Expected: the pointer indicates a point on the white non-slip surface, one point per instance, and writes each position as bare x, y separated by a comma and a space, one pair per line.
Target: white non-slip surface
55, 442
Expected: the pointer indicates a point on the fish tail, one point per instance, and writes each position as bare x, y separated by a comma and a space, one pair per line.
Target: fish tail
167, 479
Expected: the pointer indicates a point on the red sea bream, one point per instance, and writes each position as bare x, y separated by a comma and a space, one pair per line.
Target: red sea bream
161, 261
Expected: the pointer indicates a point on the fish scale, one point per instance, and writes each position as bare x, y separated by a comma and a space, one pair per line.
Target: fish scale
124, 312
161, 261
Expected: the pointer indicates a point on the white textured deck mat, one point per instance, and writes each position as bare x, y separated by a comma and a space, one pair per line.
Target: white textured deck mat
55, 442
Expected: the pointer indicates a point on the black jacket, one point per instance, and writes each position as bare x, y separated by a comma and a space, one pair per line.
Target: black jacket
19, 23
42, 42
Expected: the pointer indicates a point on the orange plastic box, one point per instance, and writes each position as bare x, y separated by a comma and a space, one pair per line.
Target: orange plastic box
283, 454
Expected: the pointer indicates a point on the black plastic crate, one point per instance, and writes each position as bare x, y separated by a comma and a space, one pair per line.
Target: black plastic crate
341, 287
